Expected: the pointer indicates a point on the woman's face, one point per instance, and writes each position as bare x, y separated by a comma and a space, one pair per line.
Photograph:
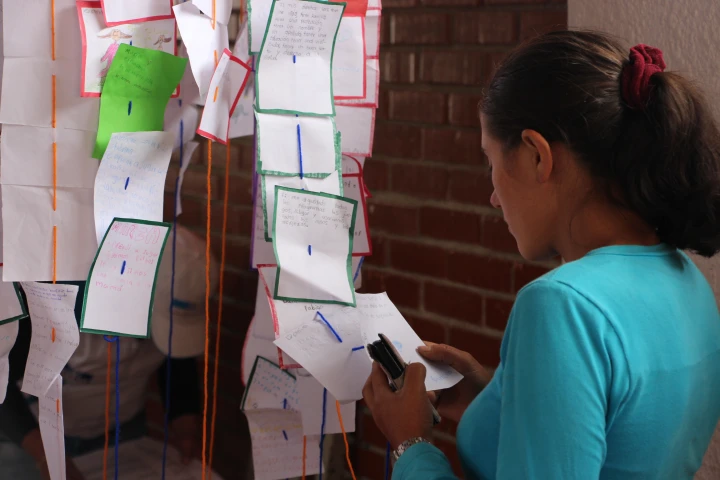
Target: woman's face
522, 193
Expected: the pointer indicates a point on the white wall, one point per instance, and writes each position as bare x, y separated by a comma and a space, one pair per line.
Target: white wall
688, 33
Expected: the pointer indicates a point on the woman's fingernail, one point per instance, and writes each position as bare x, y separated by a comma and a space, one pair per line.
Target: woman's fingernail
423, 349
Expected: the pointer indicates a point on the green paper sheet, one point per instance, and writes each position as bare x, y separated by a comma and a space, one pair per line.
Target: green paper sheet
136, 91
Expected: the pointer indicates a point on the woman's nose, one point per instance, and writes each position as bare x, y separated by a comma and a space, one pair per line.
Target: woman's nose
494, 200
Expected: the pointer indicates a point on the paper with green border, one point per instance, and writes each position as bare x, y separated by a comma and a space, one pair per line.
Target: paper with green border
88, 285
297, 145
258, 67
23, 307
348, 262
311, 185
292, 401
136, 91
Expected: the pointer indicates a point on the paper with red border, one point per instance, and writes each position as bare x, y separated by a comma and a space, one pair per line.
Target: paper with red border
348, 65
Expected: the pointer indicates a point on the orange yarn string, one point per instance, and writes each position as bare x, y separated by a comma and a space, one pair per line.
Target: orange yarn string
220, 305
54, 266
347, 446
213, 14
52, 28
207, 307
107, 411
54, 101
304, 456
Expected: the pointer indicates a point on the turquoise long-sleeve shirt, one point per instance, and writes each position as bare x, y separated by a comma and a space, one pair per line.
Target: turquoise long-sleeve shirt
609, 369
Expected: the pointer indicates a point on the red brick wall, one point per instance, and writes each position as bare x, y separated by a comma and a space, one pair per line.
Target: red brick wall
440, 251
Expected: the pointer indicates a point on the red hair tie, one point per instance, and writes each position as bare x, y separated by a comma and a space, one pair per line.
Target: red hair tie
644, 62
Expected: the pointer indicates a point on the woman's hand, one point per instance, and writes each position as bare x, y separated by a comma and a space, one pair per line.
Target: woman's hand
453, 402
186, 431
399, 415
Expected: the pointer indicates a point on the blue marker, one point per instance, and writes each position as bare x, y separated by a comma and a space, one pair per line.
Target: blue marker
129, 107
127, 181
122, 269
309, 249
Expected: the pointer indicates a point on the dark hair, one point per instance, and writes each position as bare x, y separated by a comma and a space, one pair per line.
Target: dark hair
663, 160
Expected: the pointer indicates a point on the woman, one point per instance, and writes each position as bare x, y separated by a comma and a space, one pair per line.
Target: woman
610, 364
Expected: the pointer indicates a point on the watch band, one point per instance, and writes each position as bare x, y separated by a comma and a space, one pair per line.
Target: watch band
405, 445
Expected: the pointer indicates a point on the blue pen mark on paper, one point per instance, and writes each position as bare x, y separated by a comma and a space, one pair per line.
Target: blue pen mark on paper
285, 435
127, 181
294, 59
131, 43
355, 349
129, 107
322, 317
122, 269
309, 249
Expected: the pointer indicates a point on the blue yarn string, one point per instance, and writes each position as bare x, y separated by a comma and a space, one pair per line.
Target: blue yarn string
116, 341
387, 461
357, 272
172, 298
322, 431
329, 326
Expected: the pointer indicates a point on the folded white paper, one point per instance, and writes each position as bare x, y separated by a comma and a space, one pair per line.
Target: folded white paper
354, 188
177, 112
372, 33
131, 180
55, 335
52, 430
204, 43
348, 64
223, 9
372, 92
187, 152
27, 31
294, 67
313, 235
123, 11
357, 128
297, 145
121, 285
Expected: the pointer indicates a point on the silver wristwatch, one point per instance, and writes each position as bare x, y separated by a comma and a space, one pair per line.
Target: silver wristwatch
405, 445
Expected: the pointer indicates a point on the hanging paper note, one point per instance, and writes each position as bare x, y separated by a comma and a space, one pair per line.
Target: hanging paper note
222, 9
27, 157
52, 430
176, 112
242, 120
354, 188
292, 145
226, 87
28, 81
62, 241
341, 367
313, 236
189, 91
121, 284
261, 250
269, 387
372, 92
188, 151
382, 316
277, 445
265, 325
8, 335
348, 67
12, 307
136, 92
372, 33
258, 16
316, 421
357, 129
131, 180
330, 184
294, 69
255, 346
240, 49
55, 335
118, 12
100, 43
204, 43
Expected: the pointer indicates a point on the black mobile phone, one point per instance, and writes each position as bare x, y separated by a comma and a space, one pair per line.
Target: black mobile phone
386, 355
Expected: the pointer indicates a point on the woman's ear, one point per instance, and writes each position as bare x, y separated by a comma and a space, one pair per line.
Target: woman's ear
542, 153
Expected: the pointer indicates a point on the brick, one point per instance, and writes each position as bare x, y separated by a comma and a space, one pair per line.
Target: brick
447, 224
422, 181
453, 302
403, 291
525, 274
230, 345
426, 107
493, 62
472, 187
194, 213
194, 183
240, 191
239, 219
240, 285
449, 3
414, 257
376, 175
514, 2
537, 23
453, 67
380, 254
496, 236
419, 28
398, 219
479, 271
450, 451
398, 3
427, 330
373, 280
396, 141
228, 378
486, 350
463, 110
237, 251
369, 464
497, 312
484, 27
449, 145
397, 67
236, 317
244, 158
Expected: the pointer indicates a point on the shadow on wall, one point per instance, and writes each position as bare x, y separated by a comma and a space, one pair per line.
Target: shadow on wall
710, 469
